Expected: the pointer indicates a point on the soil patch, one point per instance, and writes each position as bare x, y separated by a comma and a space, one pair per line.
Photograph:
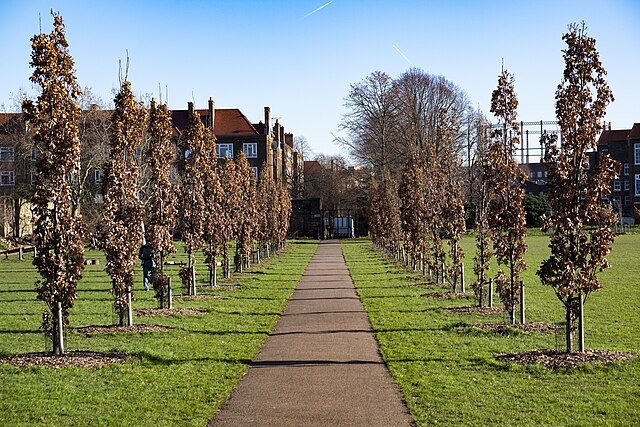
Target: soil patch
115, 329
476, 309
79, 359
554, 360
197, 297
165, 312
447, 295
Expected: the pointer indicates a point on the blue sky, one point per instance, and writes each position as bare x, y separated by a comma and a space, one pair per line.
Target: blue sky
251, 54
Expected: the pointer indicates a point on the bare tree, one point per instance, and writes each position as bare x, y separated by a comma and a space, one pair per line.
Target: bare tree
58, 233
371, 120
302, 145
120, 229
578, 253
506, 212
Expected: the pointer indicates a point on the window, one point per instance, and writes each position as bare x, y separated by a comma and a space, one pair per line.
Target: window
638, 185
97, 176
34, 154
224, 150
627, 201
7, 178
32, 177
255, 172
626, 185
625, 169
539, 174
99, 198
6, 154
616, 185
72, 178
250, 149
636, 153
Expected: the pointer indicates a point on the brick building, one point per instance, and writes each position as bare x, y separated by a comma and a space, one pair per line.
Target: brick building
263, 145
623, 145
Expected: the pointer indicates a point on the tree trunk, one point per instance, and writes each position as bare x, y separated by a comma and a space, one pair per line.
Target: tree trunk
215, 272
569, 326
58, 330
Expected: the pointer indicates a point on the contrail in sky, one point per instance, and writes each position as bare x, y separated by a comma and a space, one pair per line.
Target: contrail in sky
403, 55
321, 7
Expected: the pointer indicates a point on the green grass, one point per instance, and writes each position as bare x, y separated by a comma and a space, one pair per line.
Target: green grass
176, 377
447, 371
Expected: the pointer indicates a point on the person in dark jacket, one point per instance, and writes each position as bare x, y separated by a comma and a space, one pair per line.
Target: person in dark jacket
147, 264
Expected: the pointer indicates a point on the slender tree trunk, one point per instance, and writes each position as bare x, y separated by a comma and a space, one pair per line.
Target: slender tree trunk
215, 272
569, 326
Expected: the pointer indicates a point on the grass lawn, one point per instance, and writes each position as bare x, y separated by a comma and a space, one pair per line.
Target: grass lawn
176, 377
446, 368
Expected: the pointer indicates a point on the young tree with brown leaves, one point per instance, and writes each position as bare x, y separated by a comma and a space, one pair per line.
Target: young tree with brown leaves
283, 215
483, 192
161, 198
230, 204
578, 253
246, 220
384, 215
192, 200
57, 233
506, 211
264, 195
414, 209
121, 226
214, 195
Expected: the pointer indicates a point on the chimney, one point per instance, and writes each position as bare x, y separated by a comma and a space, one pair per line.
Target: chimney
276, 130
281, 137
267, 120
212, 112
190, 108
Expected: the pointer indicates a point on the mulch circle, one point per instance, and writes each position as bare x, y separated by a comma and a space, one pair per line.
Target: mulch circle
115, 329
554, 360
415, 278
220, 287
527, 328
197, 297
429, 285
446, 295
164, 312
476, 309
79, 359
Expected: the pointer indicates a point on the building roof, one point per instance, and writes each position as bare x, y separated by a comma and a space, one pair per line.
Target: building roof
312, 167
635, 131
608, 136
228, 121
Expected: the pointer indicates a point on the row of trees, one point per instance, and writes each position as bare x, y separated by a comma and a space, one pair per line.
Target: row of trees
386, 121
212, 203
